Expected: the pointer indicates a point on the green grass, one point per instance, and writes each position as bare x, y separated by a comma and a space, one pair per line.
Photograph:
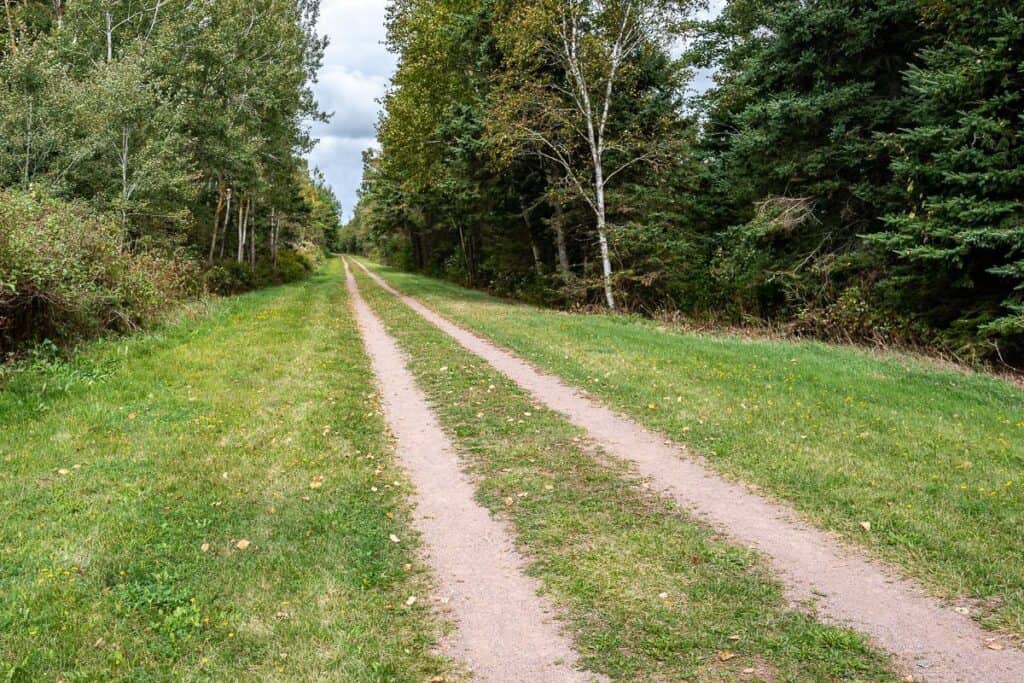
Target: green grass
650, 595
257, 422
932, 458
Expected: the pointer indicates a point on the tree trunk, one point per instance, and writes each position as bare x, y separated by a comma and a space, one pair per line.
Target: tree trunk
602, 237
538, 265
252, 233
242, 218
558, 224
465, 253
125, 190
216, 222
274, 229
224, 229
10, 27
110, 38
28, 144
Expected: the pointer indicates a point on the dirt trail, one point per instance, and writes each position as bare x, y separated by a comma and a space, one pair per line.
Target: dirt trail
504, 630
930, 642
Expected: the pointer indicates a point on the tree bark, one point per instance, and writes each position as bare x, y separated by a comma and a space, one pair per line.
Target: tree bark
242, 218
224, 229
558, 224
252, 233
602, 238
216, 222
10, 27
110, 38
273, 236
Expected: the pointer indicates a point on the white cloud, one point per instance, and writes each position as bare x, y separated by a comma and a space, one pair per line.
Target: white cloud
355, 74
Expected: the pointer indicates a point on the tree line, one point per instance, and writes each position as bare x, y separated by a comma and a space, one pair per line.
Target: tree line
850, 170
150, 149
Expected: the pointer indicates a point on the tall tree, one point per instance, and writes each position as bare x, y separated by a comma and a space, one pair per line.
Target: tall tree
570, 64
960, 166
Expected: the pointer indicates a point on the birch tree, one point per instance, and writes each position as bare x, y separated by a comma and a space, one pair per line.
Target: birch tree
570, 63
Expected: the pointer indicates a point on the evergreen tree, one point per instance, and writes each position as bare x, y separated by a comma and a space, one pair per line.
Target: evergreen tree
959, 241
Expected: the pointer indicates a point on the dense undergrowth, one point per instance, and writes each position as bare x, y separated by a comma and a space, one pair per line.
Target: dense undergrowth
66, 274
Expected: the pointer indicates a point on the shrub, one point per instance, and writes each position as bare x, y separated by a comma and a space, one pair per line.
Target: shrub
293, 264
64, 274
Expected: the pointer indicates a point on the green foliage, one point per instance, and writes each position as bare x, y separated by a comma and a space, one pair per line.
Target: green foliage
930, 455
172, 130
292, 264
63, 274
105, 575
958, 243
854, 171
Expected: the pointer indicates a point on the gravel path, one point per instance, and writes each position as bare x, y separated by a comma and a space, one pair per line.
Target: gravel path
930, 642
504, 631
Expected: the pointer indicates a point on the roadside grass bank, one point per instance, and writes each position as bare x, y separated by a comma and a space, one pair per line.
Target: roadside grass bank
923, 466
649, 594
212, 501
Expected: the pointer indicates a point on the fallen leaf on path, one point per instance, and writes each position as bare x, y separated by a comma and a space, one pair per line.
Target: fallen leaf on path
243, 544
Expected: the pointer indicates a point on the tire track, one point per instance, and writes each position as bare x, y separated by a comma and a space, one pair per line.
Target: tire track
505, 632
929, 641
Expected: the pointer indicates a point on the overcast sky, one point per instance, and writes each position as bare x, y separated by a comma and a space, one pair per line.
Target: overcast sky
355, 74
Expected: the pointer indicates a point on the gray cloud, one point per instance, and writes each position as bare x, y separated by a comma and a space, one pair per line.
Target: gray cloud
356, 70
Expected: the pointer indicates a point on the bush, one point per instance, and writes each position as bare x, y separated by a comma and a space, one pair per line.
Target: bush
293, 264
65, 276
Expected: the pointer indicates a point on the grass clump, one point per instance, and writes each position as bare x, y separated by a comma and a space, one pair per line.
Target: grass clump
933, 458
649, 594
204, 507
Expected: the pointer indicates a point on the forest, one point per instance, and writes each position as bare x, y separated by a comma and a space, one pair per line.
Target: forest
152, 151
842, 170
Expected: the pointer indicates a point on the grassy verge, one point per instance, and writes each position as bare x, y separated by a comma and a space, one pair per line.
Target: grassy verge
933, 459
209, 502
650, 594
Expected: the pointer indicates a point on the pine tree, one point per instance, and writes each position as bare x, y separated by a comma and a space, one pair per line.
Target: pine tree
960, 244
